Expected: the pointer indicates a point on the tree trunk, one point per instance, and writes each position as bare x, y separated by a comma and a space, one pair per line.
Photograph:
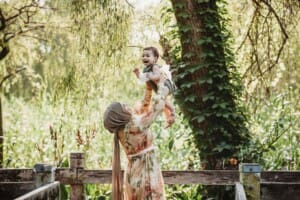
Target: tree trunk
1, 135
206, 91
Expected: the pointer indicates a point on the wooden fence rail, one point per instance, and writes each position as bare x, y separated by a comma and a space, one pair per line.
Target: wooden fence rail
280, 181
204, 177
76, 176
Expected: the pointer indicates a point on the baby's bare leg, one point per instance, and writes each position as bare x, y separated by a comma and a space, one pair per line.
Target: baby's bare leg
169, 112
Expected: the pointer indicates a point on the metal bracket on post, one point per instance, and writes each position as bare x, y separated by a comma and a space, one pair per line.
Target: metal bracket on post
43, 174
250, 178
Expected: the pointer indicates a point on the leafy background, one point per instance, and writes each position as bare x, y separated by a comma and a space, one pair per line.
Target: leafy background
83, 59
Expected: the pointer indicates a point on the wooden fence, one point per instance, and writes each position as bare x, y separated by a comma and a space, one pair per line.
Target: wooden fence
250, 183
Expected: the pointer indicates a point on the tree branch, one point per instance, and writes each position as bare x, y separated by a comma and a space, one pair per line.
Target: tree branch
277, 18
4, 52
11, 74
2, 21
248, 31
9, 36
129, 4
256, 35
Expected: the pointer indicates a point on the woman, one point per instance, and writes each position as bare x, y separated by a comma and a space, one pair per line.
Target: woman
142, 178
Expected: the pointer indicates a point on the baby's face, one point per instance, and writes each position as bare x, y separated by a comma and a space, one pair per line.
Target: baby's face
148, 58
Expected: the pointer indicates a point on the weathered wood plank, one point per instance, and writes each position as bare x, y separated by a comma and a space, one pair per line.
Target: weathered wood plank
283, 191
280, 176
11, 190
48, 191
15, 175
66, 175
204, 177
95, 176
77, 163
214, 177
209, 177
69, 176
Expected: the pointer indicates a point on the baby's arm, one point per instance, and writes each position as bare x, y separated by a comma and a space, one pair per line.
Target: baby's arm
141, 76
155, 74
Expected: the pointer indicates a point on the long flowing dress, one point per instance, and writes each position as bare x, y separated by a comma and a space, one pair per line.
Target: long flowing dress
143, 178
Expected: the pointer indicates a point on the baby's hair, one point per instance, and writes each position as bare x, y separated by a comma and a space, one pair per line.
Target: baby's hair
154, 51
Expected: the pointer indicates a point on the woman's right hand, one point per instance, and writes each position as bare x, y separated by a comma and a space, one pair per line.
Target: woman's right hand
159, 103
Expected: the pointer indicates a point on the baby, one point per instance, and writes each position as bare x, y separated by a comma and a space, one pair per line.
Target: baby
158, 79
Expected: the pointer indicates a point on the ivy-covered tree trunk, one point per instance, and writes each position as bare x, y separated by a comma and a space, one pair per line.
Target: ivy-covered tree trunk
208, 85
207, 82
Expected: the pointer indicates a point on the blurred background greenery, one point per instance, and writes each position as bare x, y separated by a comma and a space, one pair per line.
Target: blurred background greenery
68, 60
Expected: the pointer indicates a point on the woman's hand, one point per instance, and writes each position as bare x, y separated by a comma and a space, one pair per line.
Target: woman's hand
159, 103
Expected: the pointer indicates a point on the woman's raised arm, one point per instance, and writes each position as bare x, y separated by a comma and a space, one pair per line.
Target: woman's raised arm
146, 120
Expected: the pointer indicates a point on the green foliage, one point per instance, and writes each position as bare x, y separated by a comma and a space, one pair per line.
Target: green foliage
80, 37
46, 133
99, 192
276, 128
183, 192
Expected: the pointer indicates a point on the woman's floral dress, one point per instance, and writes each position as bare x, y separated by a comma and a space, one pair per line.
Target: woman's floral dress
143, 178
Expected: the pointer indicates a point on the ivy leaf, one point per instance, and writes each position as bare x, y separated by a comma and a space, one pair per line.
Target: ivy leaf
199, 118
201, 41
225, 115
186, 28
193, 69
211, 54
183, 15
203, 80
215, 106
208, 40
190, 98
182, 75
223, 105
179, 5
188, 55
208, 96
209, 81
221, 147
186, 41
187, 85
203, 55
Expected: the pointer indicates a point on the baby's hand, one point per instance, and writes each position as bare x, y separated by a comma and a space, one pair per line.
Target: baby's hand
136, 71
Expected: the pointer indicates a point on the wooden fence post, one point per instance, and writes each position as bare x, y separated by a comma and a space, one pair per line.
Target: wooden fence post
250, 178
77, 163
43, 174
